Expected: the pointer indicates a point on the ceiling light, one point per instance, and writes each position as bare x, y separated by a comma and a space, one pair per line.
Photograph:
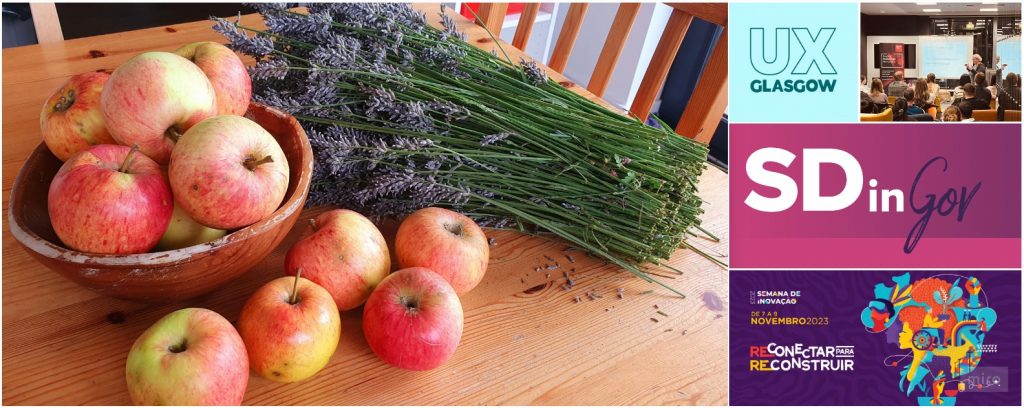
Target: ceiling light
925, 4
988, 9
932, 10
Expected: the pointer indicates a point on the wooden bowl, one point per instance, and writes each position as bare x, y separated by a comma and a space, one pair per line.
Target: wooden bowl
160, 277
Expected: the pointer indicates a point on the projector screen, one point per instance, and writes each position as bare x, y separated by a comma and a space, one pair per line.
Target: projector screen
945, 56
1008, 51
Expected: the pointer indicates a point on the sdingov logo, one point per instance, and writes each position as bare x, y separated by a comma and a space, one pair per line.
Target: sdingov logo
772, 55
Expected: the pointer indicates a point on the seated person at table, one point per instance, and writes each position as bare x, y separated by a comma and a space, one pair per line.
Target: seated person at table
899, 110
952, 114
1009, 97
970, 102
897, 86
876, 94
981, 90
924, 99
864, 84
933, 87
958, 92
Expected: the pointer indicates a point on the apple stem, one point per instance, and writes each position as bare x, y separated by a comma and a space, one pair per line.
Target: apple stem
312, 223
251, 163
295, 287
128, 158
173, 134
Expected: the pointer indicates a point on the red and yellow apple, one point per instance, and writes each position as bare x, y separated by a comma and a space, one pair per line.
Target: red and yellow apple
445, 242
226, 73
346, 254
109, 199
413, 320
153, 98
189, 357
291, 328
228, 172
71, 120
183, 232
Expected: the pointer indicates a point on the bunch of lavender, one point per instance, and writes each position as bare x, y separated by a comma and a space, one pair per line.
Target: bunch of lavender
402, 115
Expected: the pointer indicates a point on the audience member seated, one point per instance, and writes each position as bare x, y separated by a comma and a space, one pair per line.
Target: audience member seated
981, 90
876, 94
970, 102
933, 87
924, 99
912, 108
958, 92
869, 106
864, 84
899, 110
897, 86
952, 114
1008, 97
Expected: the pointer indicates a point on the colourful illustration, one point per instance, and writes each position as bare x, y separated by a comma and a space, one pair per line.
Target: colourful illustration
942, 332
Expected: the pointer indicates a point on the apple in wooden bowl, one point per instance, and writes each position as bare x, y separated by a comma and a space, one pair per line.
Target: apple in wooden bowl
165, 276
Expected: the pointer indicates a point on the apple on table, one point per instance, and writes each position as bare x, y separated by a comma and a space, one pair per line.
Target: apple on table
346, 254
153, 98
71, 120
228, 172
291, 328
189, 357
446, 242
109, 199
413, 320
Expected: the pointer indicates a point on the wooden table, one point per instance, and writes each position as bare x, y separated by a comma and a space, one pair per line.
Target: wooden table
526, 341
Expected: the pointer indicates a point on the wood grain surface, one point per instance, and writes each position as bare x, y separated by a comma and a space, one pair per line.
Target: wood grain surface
526, 341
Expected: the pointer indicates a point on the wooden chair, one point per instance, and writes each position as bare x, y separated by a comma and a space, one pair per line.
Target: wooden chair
992, 103
984, 115
884, 116
709, 99
892, 99
47, 25
1011, 116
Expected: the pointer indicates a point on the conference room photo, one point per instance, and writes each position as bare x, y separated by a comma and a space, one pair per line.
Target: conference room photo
940, 62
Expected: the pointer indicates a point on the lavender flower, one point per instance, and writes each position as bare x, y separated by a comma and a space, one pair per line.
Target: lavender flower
535, 73
256, 46
494, 138
450, 29
271, 68
378, 101
314, 26
449, 110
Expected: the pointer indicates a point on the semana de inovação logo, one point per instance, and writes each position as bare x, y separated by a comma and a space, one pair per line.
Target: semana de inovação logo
808, 70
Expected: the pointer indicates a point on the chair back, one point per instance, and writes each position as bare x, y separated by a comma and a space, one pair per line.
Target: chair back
708, 101
1011, 115
892, 99
884, 116
984, 115
46, 22
992, 103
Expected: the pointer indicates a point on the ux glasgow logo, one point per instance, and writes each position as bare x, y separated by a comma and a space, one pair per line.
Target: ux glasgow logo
787, 71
